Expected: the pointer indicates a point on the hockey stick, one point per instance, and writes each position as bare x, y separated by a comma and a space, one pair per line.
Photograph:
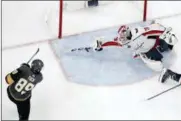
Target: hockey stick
163, 92
33, 55
87, 49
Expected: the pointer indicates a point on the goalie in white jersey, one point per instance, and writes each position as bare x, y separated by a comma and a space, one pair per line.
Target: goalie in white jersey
146, 42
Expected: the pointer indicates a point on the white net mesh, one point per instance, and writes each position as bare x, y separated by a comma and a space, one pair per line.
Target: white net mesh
158, 9
112, 13
107, 14
78, 5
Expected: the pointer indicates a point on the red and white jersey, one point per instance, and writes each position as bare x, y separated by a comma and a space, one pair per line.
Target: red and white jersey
144, 38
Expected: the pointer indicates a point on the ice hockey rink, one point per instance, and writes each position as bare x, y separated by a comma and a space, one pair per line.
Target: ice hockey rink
29, 25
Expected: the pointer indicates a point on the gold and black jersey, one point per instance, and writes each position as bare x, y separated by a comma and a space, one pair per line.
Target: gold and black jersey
21, 82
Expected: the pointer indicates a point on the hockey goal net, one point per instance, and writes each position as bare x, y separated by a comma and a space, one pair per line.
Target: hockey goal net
50, 19
74, 15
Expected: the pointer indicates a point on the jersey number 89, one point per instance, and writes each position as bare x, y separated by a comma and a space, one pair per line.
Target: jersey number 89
23, 84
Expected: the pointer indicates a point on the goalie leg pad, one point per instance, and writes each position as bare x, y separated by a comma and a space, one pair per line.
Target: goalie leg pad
154, 54
164, 46
152, 64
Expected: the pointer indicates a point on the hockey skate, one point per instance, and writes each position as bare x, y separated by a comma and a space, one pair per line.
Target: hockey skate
165, 74
168, 74
98, 45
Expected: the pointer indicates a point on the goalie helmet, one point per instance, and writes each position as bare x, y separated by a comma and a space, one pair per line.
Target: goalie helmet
124, 35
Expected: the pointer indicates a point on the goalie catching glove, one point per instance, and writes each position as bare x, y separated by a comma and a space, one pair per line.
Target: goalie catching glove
169, 37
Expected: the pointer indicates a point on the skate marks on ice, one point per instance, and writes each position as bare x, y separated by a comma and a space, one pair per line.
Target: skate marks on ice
112, 66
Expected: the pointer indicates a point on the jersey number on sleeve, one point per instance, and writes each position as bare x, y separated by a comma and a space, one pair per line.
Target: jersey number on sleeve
23, 86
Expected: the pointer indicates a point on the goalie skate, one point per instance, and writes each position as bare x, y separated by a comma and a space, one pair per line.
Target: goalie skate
99, 45
164, 75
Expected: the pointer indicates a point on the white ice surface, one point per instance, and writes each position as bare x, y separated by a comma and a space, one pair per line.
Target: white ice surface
56, 98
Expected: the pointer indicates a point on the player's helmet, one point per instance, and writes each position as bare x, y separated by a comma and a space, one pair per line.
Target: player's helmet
124, 35
37, 65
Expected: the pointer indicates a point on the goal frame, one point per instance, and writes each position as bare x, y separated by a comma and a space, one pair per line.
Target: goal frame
61, 15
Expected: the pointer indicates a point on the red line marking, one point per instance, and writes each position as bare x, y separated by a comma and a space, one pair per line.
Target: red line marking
27, 44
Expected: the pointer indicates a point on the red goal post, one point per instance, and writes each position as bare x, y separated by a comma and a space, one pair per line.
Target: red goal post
60, 19
145, 10
148, 10
61, 15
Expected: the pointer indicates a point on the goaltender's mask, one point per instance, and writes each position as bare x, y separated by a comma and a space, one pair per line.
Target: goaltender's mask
124, 35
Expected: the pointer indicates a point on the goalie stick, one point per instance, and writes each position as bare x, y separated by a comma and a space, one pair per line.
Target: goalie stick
87, 49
